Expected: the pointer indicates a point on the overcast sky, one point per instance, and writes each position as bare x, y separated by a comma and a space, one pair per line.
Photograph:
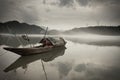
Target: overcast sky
61, 14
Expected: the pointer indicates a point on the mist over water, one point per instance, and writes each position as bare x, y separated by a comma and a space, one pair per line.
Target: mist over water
87, 57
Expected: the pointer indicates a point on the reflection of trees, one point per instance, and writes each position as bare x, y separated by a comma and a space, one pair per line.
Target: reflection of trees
95, 42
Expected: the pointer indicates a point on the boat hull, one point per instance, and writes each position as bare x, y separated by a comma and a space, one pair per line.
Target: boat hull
23, 61
31, 51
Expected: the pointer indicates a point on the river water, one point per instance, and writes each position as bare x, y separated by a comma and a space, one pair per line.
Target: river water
85, 58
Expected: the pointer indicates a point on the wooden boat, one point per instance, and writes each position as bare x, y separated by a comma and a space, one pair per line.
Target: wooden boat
26, 60
48, 44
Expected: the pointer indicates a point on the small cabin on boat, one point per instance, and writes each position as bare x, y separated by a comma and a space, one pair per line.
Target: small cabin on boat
50, 41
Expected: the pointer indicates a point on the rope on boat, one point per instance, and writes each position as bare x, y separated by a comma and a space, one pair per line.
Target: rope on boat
44, 70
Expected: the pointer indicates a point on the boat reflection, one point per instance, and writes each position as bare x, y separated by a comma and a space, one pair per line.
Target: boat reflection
23, 61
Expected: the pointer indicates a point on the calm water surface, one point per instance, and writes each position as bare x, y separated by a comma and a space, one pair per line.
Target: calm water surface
83, 59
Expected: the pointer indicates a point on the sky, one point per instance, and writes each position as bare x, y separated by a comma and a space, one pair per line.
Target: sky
61, 14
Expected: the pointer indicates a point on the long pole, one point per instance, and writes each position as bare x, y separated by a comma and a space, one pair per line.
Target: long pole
44, 70
45, 32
